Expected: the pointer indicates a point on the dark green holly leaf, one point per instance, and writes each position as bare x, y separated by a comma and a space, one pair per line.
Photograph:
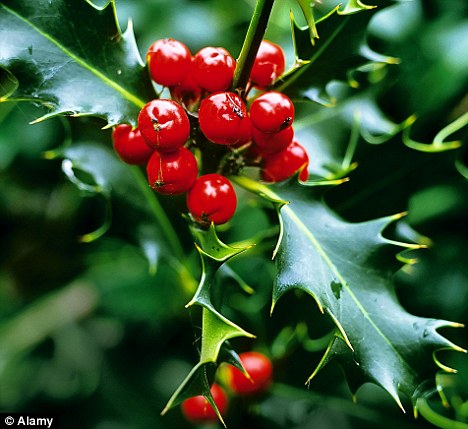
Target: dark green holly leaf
347, 268
217, 330
213, 253
96, 170
73, 58
197, 382
339, 50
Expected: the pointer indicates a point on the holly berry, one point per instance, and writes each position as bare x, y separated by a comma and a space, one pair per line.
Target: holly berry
284, 164
130, 145
198, 410
224, 119
259, 369
169, 61
164, 125
272, 112
213, 69
186, 92
269, 143
212, 199
172, 173
269, 64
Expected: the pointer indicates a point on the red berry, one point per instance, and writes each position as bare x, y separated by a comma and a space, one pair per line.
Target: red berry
164, 125
269, 143
272, 112
169, 61
224, 119
259, 369
130, 145
198, 410
269, 64
212, 199
213, 69
186, 91
172, 173
282, 165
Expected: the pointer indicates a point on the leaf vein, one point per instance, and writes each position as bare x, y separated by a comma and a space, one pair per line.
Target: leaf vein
342, 280
125, 93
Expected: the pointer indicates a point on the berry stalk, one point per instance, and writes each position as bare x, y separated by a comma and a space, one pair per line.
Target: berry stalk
253, 38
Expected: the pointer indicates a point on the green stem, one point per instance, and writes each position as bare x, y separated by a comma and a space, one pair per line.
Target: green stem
253, 38
160, 215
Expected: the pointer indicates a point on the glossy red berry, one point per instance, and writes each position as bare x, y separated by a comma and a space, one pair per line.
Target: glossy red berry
269, 143
282, 165
213, 69
186, 92
272, 112
224, 119
130, 145
168, 61
259, 369
164, 125
198, 410
173, 172
269, 64
212, 199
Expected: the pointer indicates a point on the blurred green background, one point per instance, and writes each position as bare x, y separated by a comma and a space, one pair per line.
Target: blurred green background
87, 332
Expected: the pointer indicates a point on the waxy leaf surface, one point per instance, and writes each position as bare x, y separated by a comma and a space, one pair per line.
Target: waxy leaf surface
72, 57
348, 269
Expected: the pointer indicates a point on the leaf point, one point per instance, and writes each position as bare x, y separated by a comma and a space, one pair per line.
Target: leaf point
190, 303
400, 405
327, 182
354, 6
411, 246
47, 116
210, 399
272, 308
442, 366
400, 215
406, 261
322, 363
341, 329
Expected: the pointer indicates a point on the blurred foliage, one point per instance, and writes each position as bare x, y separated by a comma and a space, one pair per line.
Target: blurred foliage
87, 331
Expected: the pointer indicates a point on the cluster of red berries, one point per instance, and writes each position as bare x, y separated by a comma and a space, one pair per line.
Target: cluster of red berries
200, 99
259, 369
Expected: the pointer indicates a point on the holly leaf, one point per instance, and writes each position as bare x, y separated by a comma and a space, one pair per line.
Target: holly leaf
347, 268
307, 11
217, 330
96, 171
337, 54
334, 134
73, 58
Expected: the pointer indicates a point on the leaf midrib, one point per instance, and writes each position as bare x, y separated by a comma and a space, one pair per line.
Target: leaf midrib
124, 92
339, 276
270, 194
